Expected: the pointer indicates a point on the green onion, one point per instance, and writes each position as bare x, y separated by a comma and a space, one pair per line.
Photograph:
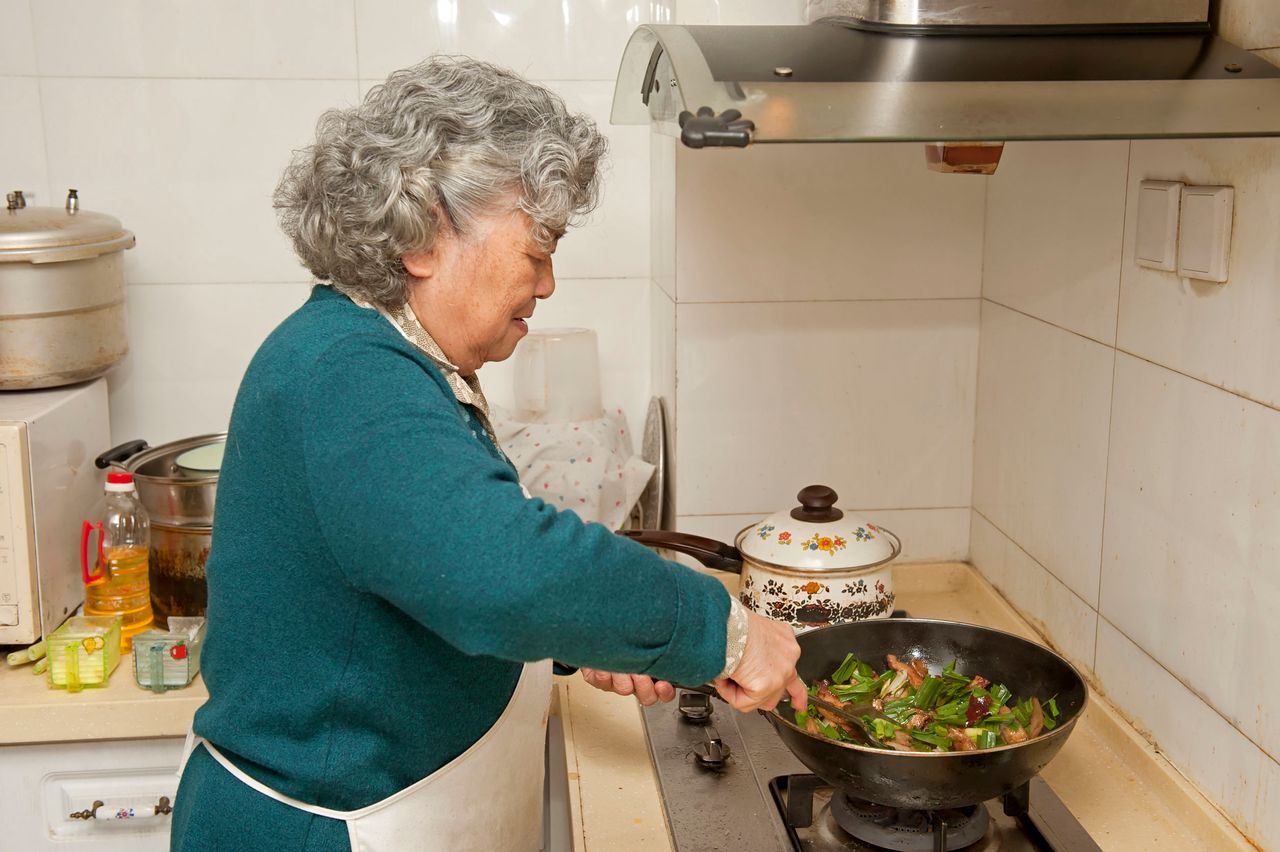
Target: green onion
846, 670
1000, 696
1052, 707
927, 693
932, 739
884, 729
987, 739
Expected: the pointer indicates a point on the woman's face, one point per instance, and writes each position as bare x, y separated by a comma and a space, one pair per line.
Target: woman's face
473, 294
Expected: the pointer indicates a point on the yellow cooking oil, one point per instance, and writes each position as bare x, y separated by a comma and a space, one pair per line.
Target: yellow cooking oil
123, 591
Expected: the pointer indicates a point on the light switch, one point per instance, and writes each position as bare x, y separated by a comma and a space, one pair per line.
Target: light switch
1157, 238
1204, 241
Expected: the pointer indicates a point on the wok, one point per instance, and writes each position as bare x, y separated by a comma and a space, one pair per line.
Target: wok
934, 780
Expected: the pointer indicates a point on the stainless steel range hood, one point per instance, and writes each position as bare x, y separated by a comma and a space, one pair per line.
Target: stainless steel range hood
950, 70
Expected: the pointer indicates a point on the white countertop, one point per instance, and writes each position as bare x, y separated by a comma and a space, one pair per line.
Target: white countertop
1119, 787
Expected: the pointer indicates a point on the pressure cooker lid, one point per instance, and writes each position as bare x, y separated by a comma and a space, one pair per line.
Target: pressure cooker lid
54, 234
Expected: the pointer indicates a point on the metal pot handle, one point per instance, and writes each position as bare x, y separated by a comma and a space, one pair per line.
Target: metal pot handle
120, 454
708, 551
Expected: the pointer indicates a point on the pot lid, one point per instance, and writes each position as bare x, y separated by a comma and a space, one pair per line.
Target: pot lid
818, 536
187, 461
54, 234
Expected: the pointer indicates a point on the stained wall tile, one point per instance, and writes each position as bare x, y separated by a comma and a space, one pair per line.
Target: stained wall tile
1193, 537
872, 398
856, 221
1225, 334
1040, 456
1054, 228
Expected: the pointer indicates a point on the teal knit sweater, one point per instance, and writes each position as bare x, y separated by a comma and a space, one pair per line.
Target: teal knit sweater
377, 577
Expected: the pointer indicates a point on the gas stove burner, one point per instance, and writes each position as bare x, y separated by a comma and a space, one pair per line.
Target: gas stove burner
910, 831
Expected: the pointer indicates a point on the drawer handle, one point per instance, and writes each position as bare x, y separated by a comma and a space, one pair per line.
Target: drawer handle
161, 807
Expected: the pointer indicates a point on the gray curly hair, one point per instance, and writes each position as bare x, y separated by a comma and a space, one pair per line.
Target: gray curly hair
441, 143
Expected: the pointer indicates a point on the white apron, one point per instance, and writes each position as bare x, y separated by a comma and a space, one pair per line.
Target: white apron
489, 797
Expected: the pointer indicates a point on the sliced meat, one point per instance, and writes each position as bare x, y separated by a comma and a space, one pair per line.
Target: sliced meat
878, 704
1011, 736
978, 682
1005, 711
825, 693
921, 668
913, 676
1037, 719
812, 726
918, 721
902, 742
960, 740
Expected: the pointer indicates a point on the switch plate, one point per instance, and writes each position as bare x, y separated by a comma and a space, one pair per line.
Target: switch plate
1204, 241
1156, 245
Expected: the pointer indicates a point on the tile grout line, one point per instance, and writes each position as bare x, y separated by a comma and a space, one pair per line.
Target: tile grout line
1124, 351
1111, 408
355, 40
1041, 565
830, 301
1194, 694
977, 369
44, 121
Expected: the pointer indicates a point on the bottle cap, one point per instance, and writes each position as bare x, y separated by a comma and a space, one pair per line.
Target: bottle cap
119, 481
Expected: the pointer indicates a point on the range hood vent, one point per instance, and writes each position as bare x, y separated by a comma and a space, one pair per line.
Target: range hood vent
929, 70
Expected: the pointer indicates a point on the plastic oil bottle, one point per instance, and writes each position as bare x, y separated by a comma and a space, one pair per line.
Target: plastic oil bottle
116, 582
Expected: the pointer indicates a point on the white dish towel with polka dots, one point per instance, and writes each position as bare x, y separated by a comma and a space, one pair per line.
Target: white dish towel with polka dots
586, 466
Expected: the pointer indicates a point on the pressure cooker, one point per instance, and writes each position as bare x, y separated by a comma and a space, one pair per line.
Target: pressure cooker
61, 293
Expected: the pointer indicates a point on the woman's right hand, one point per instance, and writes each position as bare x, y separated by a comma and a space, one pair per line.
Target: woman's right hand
767, 669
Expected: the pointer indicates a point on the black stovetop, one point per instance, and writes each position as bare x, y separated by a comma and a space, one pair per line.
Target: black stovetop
728, 782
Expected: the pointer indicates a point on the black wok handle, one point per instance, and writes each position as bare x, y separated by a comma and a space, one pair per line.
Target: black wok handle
708, 551
119, 454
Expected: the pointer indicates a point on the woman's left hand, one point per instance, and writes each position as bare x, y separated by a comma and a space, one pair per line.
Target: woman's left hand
646, 690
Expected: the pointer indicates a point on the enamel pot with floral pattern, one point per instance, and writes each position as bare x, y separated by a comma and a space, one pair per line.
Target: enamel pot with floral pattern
809, 566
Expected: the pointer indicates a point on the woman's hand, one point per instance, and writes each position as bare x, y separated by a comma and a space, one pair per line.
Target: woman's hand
767, 669
646, 690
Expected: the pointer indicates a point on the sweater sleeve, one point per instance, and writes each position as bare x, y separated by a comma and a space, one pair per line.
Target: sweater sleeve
418, 512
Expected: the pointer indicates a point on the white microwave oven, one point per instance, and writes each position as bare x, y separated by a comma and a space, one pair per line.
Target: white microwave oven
48, 484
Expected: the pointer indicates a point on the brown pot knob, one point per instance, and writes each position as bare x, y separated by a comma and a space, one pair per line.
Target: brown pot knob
817, 504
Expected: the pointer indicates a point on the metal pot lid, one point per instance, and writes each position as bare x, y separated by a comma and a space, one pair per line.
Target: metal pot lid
163, 462
818, 536
55, 234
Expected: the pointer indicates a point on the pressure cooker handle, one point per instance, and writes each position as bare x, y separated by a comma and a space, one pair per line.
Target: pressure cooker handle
120, 454
708, 551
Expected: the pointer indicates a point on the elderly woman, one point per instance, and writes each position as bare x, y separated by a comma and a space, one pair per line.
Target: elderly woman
384, 599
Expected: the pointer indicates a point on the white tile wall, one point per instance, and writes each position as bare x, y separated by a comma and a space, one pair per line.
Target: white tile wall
17, 48
617, 309
22, 157
572, 40
1224, 334
740, 12
188, 165
189, 347
1230, 769
1192, 531
178, 117
615, 240
858, 222
191, 38
871, 398
1040, 456
927, 534
1055, 219
1186, 500
1250, 23
1060, 614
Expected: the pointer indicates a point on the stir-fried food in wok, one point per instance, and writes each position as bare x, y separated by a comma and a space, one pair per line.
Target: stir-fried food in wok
911, 709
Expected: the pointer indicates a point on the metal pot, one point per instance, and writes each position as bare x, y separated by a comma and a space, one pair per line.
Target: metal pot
810, 566
177, 484
61, 294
